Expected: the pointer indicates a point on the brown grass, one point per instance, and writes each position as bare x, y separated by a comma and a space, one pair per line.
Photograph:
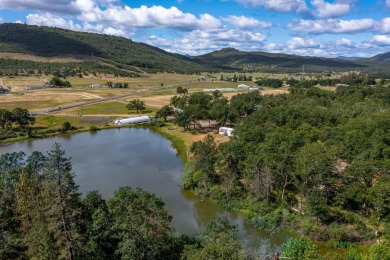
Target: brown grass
57, 59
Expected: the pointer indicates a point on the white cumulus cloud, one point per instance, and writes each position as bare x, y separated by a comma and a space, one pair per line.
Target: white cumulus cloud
150, 17
48, 19
203, 41
344, 42
298, 43
332, 26
277, 5
62, 6
327, 10
381, 40
246, 22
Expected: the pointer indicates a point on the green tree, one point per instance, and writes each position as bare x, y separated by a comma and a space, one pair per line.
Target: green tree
205, 153
181, 90
164, 112
315, 176
100, 244
11, 165
379, 251
6, 118
64, 202
22, 117
136, 104
219, 111
219, 240
140, 223
379, 197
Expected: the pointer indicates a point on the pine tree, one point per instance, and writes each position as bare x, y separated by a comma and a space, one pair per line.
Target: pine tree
65, 205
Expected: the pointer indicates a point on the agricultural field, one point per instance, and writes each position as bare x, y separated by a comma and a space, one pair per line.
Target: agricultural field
41, 99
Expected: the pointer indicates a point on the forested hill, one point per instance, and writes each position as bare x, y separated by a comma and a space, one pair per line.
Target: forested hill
255, 61
383, 57
131, 58
121, 52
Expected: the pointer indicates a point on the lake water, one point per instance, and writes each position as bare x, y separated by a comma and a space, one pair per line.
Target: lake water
139, 157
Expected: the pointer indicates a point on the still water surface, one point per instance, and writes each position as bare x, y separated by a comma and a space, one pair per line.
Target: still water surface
138, 157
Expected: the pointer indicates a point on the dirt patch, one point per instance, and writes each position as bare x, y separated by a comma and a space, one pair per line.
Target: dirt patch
156, 101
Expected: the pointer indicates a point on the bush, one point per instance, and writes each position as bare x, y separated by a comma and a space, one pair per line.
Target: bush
353, 254
65, 127
301, 248
93, 128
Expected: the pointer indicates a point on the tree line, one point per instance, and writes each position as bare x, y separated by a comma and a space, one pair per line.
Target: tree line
19, 116
189, 109
43, 216
314, 160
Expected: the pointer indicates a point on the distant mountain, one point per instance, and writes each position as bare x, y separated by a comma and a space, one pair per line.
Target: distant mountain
349, 58
112, 54
116, 51
255, 61
383, 57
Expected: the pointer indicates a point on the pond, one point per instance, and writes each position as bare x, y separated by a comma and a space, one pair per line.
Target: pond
138, 157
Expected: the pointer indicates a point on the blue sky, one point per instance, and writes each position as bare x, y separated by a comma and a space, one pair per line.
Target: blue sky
326, 28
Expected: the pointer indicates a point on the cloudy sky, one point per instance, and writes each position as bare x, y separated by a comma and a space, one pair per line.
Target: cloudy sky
328, 28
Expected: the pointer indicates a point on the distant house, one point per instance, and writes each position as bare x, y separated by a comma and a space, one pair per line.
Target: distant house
226, 131
95, 86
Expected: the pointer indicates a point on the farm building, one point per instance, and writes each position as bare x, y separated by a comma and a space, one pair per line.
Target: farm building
219, 89
33, 87
243, 86
226, 131
341, 85
95, 86
132, 120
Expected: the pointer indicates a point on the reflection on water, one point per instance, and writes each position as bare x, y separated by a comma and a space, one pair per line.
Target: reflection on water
136, 157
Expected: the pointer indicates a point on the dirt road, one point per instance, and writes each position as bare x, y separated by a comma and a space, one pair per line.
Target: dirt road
56, 109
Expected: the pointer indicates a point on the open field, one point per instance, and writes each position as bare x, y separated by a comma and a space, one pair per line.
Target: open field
42, 99
22, 56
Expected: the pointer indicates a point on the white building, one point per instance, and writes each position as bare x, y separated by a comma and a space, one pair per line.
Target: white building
132, 120
226, 131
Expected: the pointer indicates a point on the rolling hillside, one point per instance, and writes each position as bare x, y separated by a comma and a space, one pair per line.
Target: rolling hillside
115, 51
29, 48
255, 61
383, 57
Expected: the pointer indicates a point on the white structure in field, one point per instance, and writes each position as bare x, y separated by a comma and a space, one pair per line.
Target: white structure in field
243, 86
219, 89
132, 120
226, 131
95, 86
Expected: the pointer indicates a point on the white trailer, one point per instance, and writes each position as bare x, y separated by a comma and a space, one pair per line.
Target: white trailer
226, 131
132, 120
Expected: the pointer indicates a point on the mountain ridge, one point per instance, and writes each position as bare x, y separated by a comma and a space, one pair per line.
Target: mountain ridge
126, 54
